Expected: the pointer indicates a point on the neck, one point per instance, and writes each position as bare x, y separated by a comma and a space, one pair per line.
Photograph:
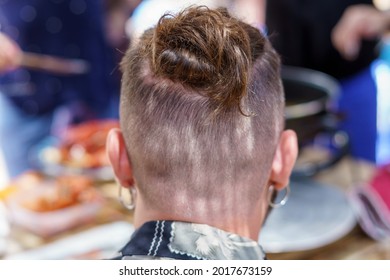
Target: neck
235, 221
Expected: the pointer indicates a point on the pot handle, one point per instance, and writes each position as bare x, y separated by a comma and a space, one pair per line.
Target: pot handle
340, 141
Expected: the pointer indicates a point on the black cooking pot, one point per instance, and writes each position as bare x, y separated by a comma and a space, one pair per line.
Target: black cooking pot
308, 95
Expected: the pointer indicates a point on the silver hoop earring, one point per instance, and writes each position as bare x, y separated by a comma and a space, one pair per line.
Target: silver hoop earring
271, 191
130, 205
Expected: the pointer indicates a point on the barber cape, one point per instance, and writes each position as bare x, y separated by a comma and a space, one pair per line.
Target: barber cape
188, 241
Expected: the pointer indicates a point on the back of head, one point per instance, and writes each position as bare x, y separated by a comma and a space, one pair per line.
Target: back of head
201, 110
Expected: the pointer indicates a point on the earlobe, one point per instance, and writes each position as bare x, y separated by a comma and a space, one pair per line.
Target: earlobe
284, 159
117, 155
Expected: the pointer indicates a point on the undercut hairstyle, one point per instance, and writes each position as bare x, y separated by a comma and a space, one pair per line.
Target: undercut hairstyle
201, 109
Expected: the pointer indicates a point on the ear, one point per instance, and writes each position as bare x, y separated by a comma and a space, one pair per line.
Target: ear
284, 159
117, 155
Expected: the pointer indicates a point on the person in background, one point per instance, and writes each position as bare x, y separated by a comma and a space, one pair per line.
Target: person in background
35, 103
202, 147
301, 30
10, 55
358, 23
312, 34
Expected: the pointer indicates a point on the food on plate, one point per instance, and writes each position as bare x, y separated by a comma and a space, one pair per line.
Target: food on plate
25, 181
60, 193
82, 146
46, 206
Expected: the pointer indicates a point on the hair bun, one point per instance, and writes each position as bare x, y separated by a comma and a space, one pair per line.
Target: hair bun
205, 49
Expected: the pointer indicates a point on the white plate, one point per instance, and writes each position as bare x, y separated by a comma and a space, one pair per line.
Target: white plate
315, 215
108, 238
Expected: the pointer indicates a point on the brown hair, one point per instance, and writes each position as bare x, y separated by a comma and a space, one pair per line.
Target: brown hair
201, 108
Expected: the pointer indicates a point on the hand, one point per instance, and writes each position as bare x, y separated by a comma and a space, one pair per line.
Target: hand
10, 54
357, 23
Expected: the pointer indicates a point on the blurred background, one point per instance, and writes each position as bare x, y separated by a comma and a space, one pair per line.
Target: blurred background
59, 98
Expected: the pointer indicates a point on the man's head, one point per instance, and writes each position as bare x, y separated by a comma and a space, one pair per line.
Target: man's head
202, 116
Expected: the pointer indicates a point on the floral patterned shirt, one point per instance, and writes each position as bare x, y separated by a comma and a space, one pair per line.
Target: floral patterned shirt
188, 241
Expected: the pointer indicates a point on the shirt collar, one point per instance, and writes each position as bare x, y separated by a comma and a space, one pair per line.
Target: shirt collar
180, 240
